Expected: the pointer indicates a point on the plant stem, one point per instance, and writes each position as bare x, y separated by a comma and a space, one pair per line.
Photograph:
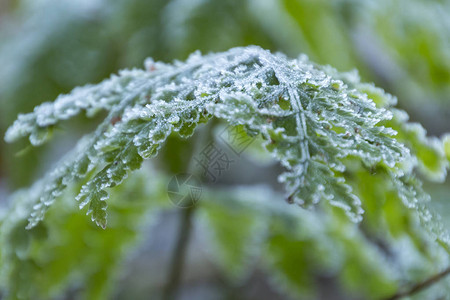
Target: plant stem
185, 228
421, 285
179, 254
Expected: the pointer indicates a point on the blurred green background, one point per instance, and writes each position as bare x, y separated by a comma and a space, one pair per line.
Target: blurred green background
47, 47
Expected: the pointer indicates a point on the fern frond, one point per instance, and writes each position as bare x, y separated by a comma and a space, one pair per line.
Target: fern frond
312, 122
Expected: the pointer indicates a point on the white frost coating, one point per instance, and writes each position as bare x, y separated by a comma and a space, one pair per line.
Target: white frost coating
310, 119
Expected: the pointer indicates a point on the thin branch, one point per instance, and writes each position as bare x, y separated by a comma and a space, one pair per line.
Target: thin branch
421, 285
179, 255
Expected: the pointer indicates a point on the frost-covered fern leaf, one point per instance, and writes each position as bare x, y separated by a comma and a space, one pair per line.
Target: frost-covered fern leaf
309, 120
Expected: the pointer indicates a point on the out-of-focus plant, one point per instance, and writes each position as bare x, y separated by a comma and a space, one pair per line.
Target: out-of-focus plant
345, 148
402, 45
63, 44
42, 42
48, 47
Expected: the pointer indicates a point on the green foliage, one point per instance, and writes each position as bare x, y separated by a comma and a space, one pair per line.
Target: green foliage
344, 147
299, 247
322, 122
66, 249
348, 154
50, 47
